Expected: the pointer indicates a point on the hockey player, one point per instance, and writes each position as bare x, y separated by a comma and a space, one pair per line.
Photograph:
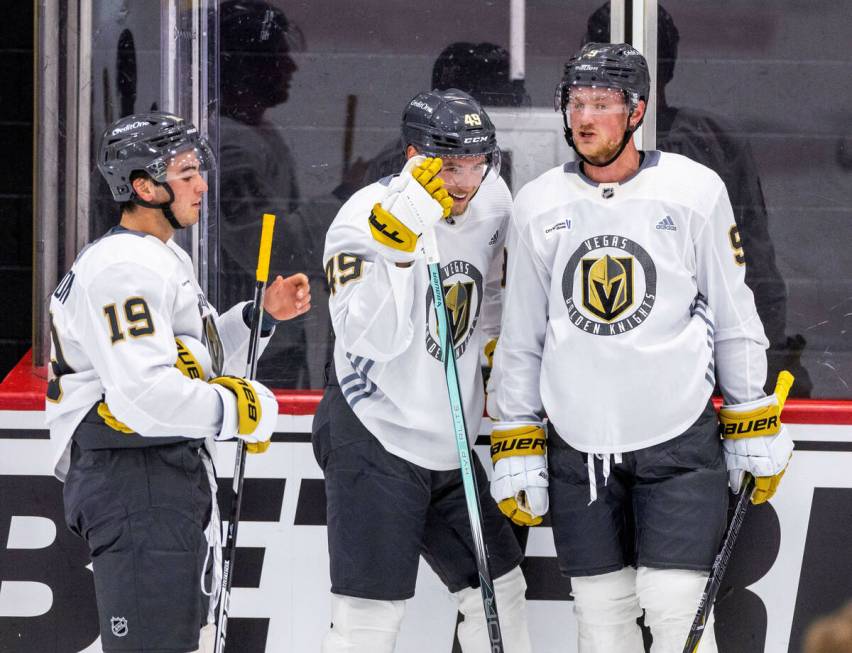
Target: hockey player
129, 404
383, 432
625, 300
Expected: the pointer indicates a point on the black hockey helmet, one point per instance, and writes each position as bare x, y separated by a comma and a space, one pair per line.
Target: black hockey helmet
617, 66
145, 143
607, 65
450, 123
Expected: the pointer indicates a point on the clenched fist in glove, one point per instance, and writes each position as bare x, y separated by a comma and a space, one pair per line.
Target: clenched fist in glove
415, 201
756, 442
519, 482
250, 411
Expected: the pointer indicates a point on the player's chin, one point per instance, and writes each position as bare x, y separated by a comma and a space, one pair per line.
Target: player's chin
459, 206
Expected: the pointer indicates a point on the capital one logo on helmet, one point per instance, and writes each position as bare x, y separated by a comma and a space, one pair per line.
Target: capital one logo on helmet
127, 128
609, 285
422, 105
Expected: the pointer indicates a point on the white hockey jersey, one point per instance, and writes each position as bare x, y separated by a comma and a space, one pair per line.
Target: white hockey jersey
114, 318
386, 353
623, 304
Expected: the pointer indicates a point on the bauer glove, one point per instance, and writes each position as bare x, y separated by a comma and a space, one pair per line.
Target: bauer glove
519, 482
250, 411
415, 201
193, 359
756, 442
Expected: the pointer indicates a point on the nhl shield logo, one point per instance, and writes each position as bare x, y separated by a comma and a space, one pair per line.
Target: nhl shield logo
119, 626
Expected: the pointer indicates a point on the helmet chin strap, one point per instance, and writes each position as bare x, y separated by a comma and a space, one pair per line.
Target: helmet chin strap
628, 134
165, 207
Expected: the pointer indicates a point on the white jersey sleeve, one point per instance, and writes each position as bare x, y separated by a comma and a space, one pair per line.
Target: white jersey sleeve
371, 299
129, 338
740, 343
515, 396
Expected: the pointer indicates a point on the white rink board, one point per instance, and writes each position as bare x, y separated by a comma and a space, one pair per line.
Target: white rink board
293, 588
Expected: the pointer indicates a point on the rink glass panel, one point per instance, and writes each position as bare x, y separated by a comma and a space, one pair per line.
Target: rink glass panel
307, 119
774, 84
760, 95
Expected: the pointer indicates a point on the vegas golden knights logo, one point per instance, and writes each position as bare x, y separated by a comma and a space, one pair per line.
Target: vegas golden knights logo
457, 297
608, 286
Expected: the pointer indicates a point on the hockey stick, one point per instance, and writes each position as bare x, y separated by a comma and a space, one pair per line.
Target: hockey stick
230, 548
720, 564
448, 355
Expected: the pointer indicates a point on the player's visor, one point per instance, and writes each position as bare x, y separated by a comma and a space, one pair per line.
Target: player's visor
186, 162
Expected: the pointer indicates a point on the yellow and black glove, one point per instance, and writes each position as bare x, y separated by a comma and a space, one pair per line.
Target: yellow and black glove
250, 411
756, 442
414, 202
193, 359
520, 479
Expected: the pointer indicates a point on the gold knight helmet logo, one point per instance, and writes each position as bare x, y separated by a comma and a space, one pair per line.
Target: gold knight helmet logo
608, 286
457, 297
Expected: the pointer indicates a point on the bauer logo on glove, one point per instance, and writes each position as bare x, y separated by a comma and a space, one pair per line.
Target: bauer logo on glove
755, 441
520, 479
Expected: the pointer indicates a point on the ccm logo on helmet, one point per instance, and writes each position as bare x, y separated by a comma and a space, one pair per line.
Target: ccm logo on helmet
475, 139
126, 128
751, 426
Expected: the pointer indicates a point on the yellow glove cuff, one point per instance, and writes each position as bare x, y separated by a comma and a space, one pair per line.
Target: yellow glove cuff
389, 231
528, 440
755, 423
187, 363
248, 403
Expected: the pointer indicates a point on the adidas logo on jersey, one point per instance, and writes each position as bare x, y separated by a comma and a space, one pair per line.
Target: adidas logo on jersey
667, 223
494, 238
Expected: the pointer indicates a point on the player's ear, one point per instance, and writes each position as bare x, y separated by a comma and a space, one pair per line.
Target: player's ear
638, 114
143, 186
410, 151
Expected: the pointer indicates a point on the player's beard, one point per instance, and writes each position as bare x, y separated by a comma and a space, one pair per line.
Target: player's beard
599, 152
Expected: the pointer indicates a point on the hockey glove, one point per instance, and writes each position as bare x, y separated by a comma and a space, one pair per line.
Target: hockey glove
414, 202
193, 359
250, 411
756, 442
519, 482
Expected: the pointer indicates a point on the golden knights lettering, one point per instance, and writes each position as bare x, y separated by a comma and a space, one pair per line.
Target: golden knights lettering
608, 286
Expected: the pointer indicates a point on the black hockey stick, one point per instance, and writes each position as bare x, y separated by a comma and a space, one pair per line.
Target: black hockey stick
720, 564
474, 511
230, 548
